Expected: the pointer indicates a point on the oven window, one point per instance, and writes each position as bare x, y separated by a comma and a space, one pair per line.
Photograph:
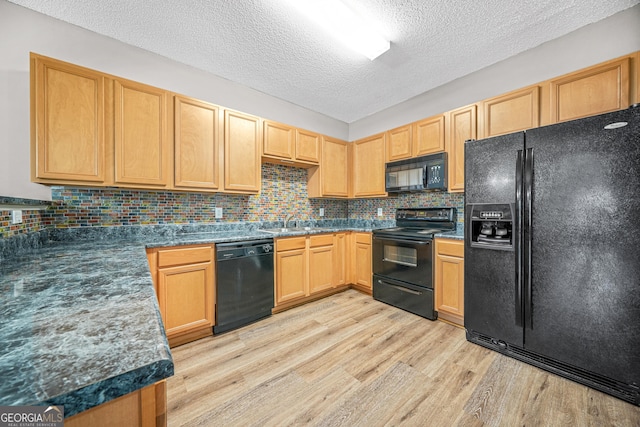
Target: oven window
401, 255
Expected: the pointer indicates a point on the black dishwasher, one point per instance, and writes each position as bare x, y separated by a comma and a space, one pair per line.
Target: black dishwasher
244, 283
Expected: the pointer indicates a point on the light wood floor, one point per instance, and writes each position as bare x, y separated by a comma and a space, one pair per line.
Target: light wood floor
348, 360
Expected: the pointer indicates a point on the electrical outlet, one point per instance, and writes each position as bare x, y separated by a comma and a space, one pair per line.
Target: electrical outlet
379, 211
16, 217
321, 211
218, 213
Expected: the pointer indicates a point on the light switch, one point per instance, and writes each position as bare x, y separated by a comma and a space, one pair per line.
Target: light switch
218, 213
16, 217
321, 211
379, 211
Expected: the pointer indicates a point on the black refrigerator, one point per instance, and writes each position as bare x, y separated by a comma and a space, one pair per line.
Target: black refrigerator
552, 249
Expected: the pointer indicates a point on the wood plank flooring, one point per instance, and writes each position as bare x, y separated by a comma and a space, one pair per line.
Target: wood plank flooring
348, 360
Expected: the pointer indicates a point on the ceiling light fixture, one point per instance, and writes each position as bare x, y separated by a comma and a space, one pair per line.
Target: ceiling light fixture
344, 24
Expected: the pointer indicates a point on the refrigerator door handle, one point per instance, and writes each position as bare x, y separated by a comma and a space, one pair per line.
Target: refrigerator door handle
528, 196
517, 243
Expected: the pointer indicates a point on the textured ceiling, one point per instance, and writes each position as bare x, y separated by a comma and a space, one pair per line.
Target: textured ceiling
267, 45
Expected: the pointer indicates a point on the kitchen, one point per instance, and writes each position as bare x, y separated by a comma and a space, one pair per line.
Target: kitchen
281, 185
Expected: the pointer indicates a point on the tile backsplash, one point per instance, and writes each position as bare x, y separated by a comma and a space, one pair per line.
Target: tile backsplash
284, 191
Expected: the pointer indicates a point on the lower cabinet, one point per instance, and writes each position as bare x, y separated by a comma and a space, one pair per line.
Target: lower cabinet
361, 268
184, 282
141, 408
449, 280
309, 267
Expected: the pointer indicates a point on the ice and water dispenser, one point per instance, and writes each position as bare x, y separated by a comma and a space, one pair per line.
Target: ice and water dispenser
491, 226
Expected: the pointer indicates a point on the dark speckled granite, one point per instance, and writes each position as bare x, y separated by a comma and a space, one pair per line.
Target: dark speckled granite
80, 326
80, 320
458, 234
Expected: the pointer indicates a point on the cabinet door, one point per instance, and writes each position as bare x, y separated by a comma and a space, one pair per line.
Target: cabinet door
428, 136
399, 145
242, 166
341, 259
462, 126
592, 91
331, 178
369, 167
196, 144
512, 112
278, 140
291, 275
307, 146
141, 137
362, 268
321, 275
449, 280
67, 137
186, 297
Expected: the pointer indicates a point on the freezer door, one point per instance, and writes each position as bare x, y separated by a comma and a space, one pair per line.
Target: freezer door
491, 288
585, 245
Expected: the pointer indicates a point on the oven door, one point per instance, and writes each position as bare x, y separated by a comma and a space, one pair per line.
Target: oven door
403, 259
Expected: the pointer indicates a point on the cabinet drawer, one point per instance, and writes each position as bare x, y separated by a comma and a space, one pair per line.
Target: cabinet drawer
450, 247
167, 257
289, 244
363, 238
321, 240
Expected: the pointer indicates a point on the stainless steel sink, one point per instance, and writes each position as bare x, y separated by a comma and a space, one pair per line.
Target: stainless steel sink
292, 229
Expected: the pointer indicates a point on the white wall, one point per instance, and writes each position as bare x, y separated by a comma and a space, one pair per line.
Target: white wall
23, 31
612, 37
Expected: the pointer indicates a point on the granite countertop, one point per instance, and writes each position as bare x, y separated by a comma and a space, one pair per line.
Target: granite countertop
80, 319
458, 234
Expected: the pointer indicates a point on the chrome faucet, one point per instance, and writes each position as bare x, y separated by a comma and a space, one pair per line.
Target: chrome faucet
287, 218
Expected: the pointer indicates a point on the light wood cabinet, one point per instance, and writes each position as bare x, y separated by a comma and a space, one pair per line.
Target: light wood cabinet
399, 144
185, 289
67, 123
290, 146
308, 146
511, 112
331, 178
428, 136
141, 137
321, 263
594, 90
308, 268
462, 127
361, 268
197, 148
369, 167
291, 270
341, 259
449, 280
242, 167
141, 408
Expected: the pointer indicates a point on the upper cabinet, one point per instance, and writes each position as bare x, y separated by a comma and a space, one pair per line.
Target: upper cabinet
67, 123
591, 91
399, 145
429, 136
242, 165
197, 148
512, 112
368, 167
462, 127
331, 178
287, 145
142, 146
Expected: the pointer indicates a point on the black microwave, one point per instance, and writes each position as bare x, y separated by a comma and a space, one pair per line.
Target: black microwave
426, 173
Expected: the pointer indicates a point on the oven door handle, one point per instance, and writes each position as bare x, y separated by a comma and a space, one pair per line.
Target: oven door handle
394, 240
400, 288
408, 264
